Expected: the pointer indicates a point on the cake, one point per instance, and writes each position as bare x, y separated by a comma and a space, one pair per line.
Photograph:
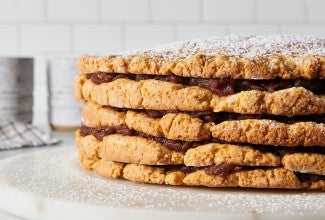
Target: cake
231, 111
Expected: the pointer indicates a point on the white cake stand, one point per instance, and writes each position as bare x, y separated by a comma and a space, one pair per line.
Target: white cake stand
50, 184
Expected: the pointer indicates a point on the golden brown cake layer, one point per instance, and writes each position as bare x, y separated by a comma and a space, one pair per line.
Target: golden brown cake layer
140, 150
218, 86
268, 132
186, 127
135, 149
254, 178
238, 57
158, 95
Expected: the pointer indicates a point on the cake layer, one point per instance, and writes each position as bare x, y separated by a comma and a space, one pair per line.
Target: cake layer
182, 146
187, 127
268, 132
135, 149
305, 163
214, 153
220, 86
254, 178
139, 150
172, 126
96, 115
128, 149
240, 57
159, 95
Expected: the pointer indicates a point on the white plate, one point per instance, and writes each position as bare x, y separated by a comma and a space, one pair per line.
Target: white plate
50, 184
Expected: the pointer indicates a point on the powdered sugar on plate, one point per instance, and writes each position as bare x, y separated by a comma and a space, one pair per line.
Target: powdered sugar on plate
56, 174
247, 46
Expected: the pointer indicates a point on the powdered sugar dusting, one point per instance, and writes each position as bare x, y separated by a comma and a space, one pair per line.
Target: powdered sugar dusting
56, 174
239, 46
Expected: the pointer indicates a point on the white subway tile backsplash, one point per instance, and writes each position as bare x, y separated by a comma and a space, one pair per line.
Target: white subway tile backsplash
175, 10
188, 32
102, 26
280, 10
228, 10
316, 10
138, 36
97, 38
8, 38
45, 38
316, 30
22, 10
253, 29
72, 10
61, 67
125, 10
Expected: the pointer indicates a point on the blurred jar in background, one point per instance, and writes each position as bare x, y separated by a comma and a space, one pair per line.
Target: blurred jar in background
16, 88
65, 111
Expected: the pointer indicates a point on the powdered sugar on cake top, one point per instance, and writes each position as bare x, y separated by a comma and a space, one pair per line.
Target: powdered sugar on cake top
239, 46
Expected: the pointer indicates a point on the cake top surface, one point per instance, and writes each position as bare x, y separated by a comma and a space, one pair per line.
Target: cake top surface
231, 56
247, 46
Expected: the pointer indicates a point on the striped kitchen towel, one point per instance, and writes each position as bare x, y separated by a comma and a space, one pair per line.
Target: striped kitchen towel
17, 134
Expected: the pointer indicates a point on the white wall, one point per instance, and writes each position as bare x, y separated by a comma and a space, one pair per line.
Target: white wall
54, 27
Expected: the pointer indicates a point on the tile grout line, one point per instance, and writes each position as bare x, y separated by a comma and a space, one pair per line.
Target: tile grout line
150, 15
46, 11
19, 37
279, 28
255, 21
123, 35
201, 11
306, 14
227, 28
223, 22
72, 38
174, 28
99, 12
